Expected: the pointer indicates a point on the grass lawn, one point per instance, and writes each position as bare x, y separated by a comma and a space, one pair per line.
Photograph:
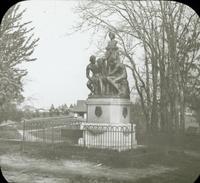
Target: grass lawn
8, 132
146, 164
164, 158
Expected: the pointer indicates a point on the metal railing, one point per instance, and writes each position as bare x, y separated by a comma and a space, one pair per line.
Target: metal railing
109, 136
47, 131
79, 133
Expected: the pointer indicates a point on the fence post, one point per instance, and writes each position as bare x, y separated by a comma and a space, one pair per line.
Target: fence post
52, 136
84, 137
23, 135
43, 133
131, 135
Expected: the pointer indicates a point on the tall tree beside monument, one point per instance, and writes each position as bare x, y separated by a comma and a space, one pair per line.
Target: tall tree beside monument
17, 45
169, 35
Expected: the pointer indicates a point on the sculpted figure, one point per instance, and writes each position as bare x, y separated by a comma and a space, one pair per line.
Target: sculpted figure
117, 78
112, 51
107, 75
102, 68
92, 73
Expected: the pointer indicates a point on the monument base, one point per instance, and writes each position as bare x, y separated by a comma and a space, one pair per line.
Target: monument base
108, 110
109, 136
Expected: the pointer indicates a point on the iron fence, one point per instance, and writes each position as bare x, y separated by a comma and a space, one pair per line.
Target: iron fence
79, 133
47, 131
120, 137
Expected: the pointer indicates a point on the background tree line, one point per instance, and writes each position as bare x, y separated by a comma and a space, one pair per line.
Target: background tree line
61, 110
167, 78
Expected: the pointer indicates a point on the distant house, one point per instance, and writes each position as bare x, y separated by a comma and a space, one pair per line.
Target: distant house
190, 121
189, 112
80, 109
192, 125
28, 108
41, 110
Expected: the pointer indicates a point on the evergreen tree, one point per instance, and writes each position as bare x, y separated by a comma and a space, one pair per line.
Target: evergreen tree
16, 46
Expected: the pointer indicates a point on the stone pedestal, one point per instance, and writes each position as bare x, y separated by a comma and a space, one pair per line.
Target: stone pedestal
108, 110
108, 124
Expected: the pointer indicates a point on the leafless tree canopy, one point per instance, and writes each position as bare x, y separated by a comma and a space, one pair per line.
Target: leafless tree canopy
168, 33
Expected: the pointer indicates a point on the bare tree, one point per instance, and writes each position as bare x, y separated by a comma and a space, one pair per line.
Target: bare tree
168, 33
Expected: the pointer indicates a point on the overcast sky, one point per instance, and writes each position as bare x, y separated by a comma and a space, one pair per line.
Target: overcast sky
58, 74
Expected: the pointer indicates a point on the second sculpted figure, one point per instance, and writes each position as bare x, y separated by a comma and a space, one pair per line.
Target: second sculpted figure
108, 76
92, 73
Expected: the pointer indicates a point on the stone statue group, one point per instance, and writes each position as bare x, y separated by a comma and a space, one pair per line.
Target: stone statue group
107, 76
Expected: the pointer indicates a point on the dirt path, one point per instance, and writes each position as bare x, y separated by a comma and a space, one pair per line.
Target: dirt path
23, 169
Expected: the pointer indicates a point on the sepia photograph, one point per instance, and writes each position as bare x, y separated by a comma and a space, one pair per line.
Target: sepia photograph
100, 91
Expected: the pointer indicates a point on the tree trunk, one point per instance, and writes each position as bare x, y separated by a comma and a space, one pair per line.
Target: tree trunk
164, 113
148, 96
182, 111
154, 111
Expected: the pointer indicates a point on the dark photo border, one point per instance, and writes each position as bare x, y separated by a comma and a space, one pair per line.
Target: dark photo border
6, 4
